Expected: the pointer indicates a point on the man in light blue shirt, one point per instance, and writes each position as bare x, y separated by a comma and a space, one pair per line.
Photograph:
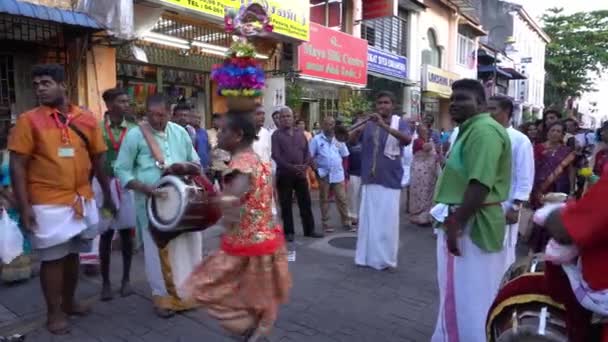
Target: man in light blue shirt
328, 153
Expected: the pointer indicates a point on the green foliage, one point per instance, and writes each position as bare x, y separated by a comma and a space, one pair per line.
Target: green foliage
578, 51
355, 102
527, 116
293, 96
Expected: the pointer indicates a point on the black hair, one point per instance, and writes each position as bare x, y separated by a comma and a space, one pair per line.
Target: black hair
340, 130
54, 71
215, 116
598, 133
182, 106
300, 120
111, 94
557, 123
551, 111
504, 102
386, 93
472, 85
275, 113
244, 122
156, 99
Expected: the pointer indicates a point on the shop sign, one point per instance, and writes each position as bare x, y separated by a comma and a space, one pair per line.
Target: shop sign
437, 80
334, 56
373, 9
289, 17
386, 63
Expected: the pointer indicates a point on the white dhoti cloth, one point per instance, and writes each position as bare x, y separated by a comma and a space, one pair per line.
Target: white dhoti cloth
378, 234
354, 196
511, 236
468, 285
168, 268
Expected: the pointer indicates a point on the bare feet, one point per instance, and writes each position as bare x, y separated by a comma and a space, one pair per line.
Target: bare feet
164, 313
76, 309
106, 293
126, 290
57, 324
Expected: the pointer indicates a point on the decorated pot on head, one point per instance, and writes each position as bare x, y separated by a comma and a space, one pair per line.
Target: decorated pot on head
240, 78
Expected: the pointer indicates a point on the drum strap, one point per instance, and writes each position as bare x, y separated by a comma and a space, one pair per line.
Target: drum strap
146, 130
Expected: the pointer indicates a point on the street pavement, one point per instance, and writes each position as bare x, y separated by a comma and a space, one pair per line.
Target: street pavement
331, 300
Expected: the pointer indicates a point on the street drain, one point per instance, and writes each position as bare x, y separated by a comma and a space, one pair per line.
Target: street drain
345, 242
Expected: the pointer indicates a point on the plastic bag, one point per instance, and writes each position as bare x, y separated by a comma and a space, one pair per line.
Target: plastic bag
11, 239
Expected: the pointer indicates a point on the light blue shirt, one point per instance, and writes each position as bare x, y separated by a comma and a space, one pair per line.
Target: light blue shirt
327, 154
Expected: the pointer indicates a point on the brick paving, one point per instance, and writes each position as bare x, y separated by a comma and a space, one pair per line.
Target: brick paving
332, 300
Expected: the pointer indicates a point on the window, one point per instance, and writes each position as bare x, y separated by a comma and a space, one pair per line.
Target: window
389, 34
431, 54
466, 51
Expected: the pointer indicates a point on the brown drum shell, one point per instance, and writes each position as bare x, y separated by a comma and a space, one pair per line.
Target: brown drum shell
199, 214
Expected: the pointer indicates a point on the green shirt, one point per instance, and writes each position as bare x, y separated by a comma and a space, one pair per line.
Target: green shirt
112, 152
482, 152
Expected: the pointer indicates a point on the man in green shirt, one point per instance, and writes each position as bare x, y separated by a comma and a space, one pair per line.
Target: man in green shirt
474, 183
115, 127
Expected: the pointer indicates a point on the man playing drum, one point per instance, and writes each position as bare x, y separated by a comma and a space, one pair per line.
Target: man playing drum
582, 224
139, 168
474, 183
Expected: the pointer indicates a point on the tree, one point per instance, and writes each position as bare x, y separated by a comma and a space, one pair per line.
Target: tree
578, 51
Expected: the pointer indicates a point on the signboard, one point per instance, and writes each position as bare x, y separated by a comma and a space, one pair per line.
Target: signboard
437, 80
373, 9
386, 63
334, 56
289, 17
526, 60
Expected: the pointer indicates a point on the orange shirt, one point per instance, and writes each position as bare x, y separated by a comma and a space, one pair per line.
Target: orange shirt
51, 178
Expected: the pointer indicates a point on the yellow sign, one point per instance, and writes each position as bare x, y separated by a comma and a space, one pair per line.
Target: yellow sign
438, 80
289, 17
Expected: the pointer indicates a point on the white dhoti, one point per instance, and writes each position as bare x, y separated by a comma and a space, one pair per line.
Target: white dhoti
60, 231
378, 234
510, 244
468, 285
354, 196
168, 268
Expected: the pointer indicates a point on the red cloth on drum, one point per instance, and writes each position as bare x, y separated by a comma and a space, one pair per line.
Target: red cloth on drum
586, 221
256, 234
577, 318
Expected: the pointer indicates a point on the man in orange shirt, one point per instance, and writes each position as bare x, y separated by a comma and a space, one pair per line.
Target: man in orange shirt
54, 149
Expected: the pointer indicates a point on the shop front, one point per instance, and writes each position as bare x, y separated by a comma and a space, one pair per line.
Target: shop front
180, 42
436, 92
331, 65
387, 71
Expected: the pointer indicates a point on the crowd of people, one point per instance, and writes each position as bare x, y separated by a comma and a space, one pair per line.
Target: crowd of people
75, 181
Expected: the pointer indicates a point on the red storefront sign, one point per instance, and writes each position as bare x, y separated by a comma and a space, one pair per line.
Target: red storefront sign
334, 56
373, 9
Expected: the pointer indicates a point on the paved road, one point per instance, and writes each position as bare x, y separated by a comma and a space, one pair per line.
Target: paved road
332, 300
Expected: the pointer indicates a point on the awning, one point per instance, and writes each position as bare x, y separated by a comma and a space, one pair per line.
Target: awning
492, 68
26, 9
515, 75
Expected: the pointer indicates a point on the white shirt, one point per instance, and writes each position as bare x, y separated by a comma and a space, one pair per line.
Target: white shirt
453, 137
406, 161
522, 166
262, 146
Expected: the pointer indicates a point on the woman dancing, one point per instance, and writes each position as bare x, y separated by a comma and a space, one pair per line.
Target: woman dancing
243, 284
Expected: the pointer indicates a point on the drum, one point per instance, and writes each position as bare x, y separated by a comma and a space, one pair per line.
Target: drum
523, 310
183, 205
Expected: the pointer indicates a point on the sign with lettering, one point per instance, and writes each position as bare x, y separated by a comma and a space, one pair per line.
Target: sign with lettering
437, 80
334, 56
373, 9
386, 63
290, 18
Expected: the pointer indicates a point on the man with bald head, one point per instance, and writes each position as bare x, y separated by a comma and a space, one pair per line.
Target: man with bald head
327, 153
290, 152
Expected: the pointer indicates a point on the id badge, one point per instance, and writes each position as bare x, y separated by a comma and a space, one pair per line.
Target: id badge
66, 152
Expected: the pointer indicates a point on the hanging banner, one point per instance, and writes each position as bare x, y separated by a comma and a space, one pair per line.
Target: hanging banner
289, 17
334, 56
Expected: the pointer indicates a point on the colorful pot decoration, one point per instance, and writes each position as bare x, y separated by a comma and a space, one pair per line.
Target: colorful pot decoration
240, 78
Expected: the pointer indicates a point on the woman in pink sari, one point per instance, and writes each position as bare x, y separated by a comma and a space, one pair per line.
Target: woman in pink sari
423, 177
